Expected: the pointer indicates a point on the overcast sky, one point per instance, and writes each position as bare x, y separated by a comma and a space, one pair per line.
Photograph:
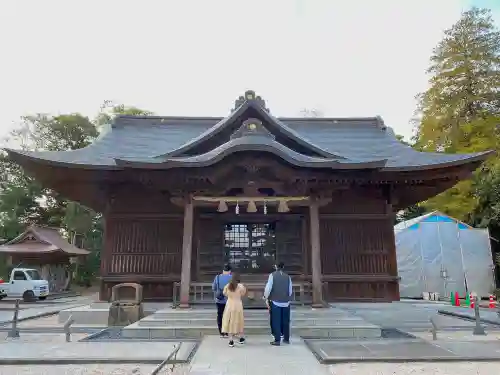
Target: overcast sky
344, 58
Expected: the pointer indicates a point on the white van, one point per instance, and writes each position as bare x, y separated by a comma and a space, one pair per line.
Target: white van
26, 283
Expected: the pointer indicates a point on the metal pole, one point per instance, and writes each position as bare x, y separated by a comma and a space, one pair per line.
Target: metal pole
171, 356
478, 328
466, 284
14, 332
434, 329
67, 328
423, 268
445, 280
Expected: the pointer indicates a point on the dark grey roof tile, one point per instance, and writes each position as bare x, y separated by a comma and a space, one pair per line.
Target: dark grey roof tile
356, 139
249, 143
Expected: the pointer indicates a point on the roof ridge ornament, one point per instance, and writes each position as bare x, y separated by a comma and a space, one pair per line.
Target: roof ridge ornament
252, 127
381, 123
250, 97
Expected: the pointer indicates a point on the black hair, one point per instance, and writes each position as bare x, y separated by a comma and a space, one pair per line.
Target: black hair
280, 265
227, 267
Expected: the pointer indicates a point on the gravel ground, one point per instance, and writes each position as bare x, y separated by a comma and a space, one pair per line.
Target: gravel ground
86, 370
457, 368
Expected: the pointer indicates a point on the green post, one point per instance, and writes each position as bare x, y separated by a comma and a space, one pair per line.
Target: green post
452, 300
467, 300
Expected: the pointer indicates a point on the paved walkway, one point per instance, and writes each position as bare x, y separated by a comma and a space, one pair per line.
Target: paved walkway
49, 347
214, 357
486, 315
40, 309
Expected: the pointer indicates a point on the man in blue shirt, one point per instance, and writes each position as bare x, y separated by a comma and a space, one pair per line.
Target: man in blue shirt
220, 281
279, 291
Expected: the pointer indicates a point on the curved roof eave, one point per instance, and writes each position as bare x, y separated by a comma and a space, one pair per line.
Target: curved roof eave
477, 157
32, 157
221, 125
215, 156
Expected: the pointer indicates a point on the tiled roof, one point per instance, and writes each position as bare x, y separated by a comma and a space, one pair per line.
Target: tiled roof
146, 139
47, 240
250, 143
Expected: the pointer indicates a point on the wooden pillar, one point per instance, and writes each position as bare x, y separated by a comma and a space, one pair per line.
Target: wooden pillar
392, 259
187, 249
315, 255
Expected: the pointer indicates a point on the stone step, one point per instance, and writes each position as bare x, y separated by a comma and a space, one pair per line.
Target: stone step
196, 332
262, 317
177, 314
251, 317
248, 322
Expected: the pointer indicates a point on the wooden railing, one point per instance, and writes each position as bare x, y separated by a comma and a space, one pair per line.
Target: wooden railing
201, 293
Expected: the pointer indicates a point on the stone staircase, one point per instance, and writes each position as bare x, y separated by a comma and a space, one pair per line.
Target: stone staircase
198, 322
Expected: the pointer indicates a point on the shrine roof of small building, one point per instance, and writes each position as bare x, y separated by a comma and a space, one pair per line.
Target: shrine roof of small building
37, 240
151, 141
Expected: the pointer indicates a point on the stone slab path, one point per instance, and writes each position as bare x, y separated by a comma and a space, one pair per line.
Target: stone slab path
404, 315
457, 368
215, 357
405, 351
40, 309
487, 315
19, 349
87, 369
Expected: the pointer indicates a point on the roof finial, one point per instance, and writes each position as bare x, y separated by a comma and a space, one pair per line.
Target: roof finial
381, 123
250, 97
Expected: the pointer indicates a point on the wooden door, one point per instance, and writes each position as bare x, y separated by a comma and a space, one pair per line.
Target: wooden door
289, 245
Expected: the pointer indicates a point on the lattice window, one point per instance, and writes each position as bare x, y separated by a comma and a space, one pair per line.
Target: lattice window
251, 248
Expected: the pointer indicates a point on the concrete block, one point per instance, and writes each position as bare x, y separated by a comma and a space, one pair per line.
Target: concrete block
136, 333
341, 333
85, 316
123, 315
167, 333
367, 333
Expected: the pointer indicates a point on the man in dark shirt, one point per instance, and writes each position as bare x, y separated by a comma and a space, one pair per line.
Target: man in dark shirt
279, 291
220, 281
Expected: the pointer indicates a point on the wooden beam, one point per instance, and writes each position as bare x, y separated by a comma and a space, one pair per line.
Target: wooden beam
315, 254
187, 249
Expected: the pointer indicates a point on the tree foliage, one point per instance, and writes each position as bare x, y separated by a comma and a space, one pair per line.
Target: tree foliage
411, 212
464, 83
23, 201
311, 113
109, 111
460, 111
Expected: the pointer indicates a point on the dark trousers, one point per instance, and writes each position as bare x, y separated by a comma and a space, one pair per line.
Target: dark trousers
280, 322
271, 320
220, 313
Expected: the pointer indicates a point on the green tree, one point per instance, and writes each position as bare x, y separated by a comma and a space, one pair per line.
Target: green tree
19, 199
55, 133
464, 83
109, 111
411, 212
311, 113
23, 201
460, 111
401, 139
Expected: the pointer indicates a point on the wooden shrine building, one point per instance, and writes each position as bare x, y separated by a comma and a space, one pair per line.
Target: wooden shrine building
45, 249
181, 196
